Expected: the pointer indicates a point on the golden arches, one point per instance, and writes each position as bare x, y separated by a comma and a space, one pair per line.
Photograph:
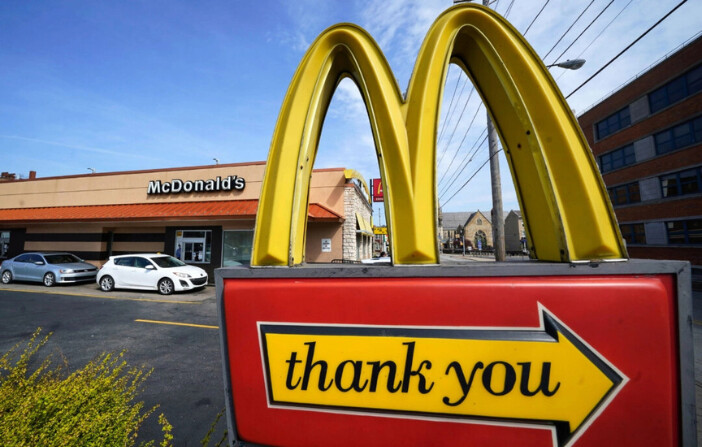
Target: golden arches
564, 203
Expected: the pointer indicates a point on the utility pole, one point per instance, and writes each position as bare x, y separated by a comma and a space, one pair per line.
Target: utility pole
498, 220
497, 216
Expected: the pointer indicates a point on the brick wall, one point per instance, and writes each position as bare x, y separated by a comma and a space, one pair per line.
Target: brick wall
355, 245
678, 63
653, 210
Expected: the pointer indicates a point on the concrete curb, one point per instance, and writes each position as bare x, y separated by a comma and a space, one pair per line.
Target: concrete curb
92, 290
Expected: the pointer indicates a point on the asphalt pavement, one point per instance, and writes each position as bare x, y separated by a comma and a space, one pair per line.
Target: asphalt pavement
175, 336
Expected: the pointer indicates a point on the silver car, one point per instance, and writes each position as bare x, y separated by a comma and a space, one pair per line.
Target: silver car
47, 268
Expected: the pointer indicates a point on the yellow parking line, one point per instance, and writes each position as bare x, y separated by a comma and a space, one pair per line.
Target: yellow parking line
178, 324
104, 297
697, 323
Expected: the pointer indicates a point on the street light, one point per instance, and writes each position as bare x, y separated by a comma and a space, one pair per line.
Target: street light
570, 64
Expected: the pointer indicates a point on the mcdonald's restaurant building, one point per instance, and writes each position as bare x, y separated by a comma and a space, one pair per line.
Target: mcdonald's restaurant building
204, 215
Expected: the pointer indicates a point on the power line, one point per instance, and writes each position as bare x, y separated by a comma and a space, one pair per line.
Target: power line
627, 48
537, 16
448, 111
464, 164
474, 174
461, 143
583, 31
458, 122
509, 9
600, 34
569, 28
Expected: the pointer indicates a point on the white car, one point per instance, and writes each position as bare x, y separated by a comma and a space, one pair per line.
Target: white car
378, 260
150, 271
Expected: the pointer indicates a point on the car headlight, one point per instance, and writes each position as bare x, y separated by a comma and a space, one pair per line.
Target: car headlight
181, 275
65, 271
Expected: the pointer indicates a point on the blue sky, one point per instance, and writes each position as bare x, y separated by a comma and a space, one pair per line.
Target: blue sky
129, 85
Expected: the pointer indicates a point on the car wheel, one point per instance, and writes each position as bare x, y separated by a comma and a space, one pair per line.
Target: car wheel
107, 284
6, 277
165, 286
49, 279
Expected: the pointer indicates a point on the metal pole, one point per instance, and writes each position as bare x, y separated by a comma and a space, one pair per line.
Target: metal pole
497, 215
498, 221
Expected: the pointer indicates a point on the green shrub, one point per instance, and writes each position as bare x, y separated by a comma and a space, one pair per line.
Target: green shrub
94, 406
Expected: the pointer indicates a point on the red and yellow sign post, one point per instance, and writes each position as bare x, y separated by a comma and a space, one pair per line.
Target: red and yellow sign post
589, 350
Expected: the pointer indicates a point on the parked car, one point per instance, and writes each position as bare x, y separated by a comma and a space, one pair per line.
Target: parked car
377, 260
150, 271
48, 268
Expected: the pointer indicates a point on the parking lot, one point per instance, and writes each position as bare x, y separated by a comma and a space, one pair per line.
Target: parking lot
176, 335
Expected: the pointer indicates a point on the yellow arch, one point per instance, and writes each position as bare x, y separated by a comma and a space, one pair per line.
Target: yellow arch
353, 174
564, 203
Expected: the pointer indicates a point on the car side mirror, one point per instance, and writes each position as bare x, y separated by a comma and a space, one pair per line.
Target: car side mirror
150, 267
39, 263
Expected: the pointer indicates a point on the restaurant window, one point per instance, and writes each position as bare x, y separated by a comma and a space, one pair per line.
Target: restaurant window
194, 246
4, 243
236, 247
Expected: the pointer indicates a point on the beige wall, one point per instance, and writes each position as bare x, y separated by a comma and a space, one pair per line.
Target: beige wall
326, 187
124, 187
317, 231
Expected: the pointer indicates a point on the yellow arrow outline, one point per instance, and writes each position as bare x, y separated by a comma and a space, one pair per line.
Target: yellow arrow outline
558, 338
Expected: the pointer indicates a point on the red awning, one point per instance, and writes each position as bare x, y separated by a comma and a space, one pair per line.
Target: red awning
227, 209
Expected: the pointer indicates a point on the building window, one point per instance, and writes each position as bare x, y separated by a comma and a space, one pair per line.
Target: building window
624, 194
480, 222
633, 233
194, 246
236, 248
675, 90
618, 158
685, 232
681, 183
613, 123
679, 137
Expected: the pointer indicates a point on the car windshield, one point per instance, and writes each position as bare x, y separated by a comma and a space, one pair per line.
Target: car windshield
61, 258
166, 262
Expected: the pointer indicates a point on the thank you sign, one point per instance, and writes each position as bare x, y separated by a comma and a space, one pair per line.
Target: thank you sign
546, 361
